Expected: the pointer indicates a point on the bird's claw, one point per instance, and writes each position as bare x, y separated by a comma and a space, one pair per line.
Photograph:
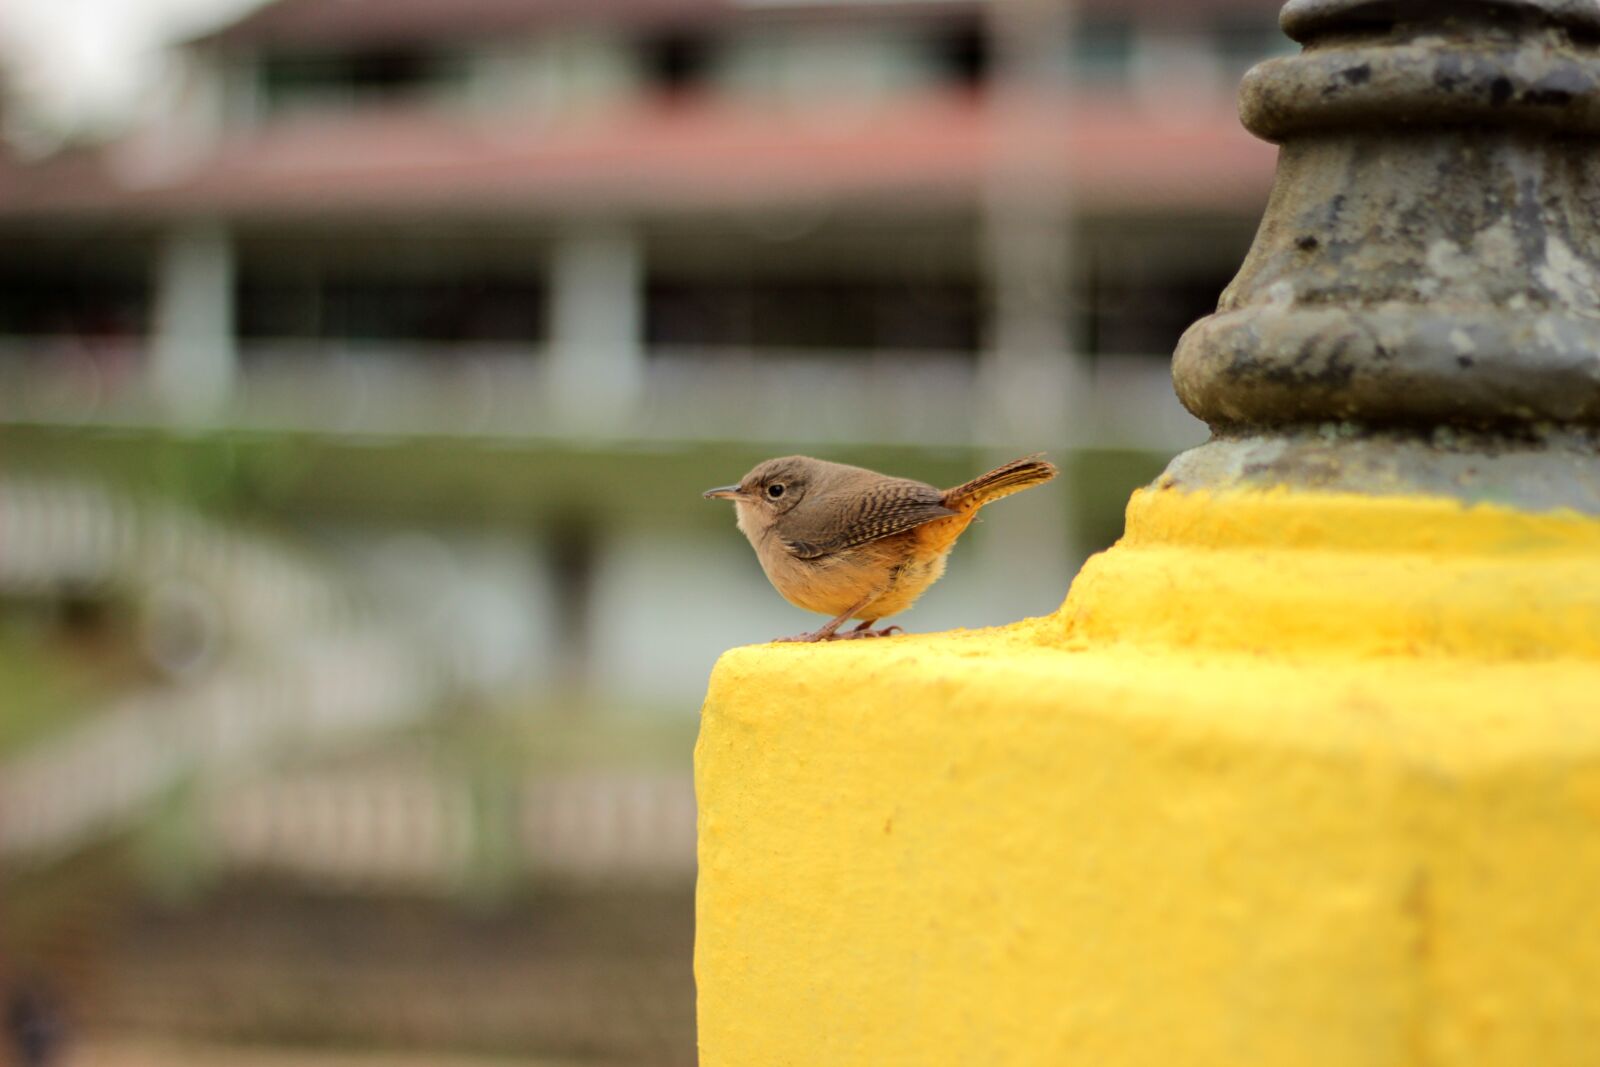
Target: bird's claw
885, 632
849, 635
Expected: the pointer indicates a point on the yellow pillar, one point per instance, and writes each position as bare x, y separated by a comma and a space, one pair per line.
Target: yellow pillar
1185, 820
1306, 769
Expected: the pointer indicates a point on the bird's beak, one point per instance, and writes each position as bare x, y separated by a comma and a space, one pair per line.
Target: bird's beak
725, 492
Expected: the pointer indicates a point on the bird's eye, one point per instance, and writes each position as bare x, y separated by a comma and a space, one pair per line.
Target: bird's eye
775, 490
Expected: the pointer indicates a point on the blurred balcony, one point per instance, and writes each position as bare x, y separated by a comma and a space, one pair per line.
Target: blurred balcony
500, 391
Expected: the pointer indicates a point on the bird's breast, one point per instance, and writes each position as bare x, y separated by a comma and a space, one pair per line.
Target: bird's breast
909, 581
828, 584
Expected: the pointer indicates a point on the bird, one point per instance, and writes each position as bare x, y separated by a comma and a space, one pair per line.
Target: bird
855, 544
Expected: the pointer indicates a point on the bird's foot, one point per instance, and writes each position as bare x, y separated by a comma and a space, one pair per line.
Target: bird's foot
866, 631
803, 639
832, 635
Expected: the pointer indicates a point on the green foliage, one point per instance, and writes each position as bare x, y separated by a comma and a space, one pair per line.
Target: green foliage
47, 681
1103, 482
523, 479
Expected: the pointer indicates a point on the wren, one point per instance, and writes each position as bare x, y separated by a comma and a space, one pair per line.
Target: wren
855, 544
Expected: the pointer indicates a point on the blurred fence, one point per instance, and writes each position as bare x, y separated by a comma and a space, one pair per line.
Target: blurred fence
274, 660
419, 828
267, 654
898, 397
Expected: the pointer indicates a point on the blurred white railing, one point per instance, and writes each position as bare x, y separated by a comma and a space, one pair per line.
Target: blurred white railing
682, 393
277, 660
416, 826
270, 655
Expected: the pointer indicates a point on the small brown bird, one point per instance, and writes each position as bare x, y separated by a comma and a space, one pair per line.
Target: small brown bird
855, 544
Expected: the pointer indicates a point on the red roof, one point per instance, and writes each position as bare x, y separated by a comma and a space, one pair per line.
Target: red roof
1113, 155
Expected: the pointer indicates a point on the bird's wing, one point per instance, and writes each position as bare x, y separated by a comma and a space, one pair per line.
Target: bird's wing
861, 516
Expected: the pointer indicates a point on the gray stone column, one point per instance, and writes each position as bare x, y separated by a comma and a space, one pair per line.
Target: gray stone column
1420, 311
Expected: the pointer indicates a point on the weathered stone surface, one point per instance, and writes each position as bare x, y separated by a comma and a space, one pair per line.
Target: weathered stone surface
1541, 472
1301, 19
1431, 252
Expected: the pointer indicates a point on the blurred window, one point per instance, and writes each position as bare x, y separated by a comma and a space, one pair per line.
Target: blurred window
677, 62
848, 316
800, 65
72, 300
554, 73
295, 80
964, 54
1102, 50
1242, 42
454, 310
1145, 314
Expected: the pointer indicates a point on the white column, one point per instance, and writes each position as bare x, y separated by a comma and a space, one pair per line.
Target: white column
1031, 376
596, 353
194, 351
1174, 66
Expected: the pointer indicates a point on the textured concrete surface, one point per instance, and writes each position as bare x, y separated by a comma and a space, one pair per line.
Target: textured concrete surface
1291, 778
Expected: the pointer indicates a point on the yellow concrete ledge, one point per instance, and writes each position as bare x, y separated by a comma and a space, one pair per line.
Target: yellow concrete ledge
1280, 572
1117, 836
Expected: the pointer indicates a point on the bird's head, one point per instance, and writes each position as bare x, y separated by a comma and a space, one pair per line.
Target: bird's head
772, 488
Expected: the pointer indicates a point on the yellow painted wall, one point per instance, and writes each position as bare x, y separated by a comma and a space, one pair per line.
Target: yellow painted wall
1293, 779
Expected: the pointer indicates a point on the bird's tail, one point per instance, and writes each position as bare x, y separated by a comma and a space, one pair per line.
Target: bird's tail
1013, 477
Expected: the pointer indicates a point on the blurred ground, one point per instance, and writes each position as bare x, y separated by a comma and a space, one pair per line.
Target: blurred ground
561, 975
111, 1052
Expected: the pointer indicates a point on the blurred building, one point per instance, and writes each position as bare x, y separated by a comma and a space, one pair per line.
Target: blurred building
609, 211
441, 313
647, 223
